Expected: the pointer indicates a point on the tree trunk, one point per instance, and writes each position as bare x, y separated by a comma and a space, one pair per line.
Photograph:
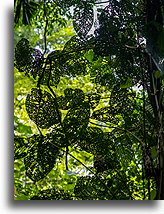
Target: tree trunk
154, 18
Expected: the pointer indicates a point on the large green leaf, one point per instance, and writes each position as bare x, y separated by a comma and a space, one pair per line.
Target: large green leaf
40, 158
83, 19
41, 108
76, 120
23, 55
91, 140
75, 97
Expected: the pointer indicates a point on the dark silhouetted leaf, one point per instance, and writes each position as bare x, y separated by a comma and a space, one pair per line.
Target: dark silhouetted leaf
74, 96
23, 55
76, 120
83, 19
40, 158
91, 140
41, 108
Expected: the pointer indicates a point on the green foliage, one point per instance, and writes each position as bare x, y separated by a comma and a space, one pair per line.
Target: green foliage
25, 10
41, 157
52, 194
23, 55
20, 148
88, 119
41, 108
83, 19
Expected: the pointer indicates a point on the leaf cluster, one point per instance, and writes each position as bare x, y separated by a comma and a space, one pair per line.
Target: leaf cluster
116, 124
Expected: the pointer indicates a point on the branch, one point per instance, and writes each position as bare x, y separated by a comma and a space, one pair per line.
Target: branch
102, 2
160, 140
45, 37
45, 29
121, 129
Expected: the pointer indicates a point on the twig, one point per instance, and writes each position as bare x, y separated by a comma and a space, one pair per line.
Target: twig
102, 2
45, 29
121, 129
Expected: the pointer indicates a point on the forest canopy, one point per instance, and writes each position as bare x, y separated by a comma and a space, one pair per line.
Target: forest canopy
88, 100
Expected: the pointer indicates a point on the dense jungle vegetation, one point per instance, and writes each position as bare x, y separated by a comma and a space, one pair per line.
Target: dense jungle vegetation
88, 100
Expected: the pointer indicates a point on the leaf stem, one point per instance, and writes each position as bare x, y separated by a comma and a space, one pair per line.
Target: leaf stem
121, 129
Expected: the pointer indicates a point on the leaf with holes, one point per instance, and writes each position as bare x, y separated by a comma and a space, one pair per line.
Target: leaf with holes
72, 61
91, 188
23, 55
105, 114
41, 157
77, 120
83, 19
74, 96
91, 140
41, 108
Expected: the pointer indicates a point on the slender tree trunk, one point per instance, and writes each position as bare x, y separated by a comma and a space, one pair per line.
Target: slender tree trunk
153, 18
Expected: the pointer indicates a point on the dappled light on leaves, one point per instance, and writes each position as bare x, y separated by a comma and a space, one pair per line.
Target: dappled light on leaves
52, 194
92, 112
83, 19
41, 108
41, 157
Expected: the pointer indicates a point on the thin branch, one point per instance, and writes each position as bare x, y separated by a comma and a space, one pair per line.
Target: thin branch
66, 158
132, 47
121, 129
102, 2
108, 97
45, 29
39, 130
160, 140
45, 37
